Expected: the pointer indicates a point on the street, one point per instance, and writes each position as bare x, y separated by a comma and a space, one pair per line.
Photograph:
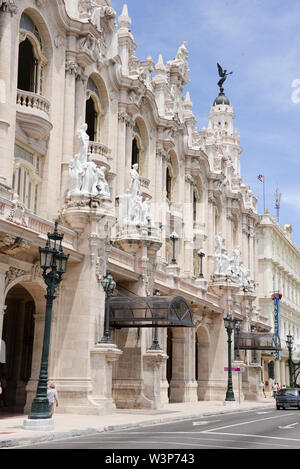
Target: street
260, 429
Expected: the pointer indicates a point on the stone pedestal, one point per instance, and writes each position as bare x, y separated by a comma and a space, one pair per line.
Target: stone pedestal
153, 359
102, 358
38, 424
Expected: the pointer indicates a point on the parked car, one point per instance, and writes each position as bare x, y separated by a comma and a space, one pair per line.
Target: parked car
289, 397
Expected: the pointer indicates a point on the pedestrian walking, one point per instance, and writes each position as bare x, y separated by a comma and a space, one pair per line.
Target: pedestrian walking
52, 398
274, 387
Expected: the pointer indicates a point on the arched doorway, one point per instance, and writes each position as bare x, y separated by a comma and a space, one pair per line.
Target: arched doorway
18, 336
27, 69
91, 117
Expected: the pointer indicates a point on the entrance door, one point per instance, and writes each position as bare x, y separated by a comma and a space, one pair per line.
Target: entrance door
18, 334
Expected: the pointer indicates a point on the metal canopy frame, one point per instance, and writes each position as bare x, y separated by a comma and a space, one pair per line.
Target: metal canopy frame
149, 311
256, 341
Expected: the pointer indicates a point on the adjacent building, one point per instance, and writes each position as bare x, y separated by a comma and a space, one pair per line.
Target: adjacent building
108, 145
278, 278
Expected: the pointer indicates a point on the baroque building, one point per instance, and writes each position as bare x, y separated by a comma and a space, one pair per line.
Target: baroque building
108, 145
279, 262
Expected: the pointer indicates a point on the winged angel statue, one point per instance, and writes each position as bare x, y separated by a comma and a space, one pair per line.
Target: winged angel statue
223, 74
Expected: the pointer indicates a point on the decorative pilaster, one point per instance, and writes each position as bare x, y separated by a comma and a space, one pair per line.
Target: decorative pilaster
7, 107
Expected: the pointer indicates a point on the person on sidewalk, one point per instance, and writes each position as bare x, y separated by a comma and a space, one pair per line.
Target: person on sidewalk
274, 390
52, 398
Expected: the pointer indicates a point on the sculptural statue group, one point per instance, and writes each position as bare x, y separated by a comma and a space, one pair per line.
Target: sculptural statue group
135, 210
233, 267
85, 178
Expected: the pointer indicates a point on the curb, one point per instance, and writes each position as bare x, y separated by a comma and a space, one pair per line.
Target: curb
56, 436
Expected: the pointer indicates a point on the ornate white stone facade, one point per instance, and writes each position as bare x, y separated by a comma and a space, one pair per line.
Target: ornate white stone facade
144, 172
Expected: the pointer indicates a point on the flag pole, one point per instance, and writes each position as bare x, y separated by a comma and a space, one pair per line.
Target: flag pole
264, 195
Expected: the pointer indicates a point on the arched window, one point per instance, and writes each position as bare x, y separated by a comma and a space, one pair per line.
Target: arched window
27, 177
168, 183
27, 69
135, 153
93, 112
31, 59
194, 206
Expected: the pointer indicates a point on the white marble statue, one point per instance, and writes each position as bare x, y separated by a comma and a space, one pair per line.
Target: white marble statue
135, 182
236, 261
225, 263
84, 176
134, 210
89, 181
75, 175
102, 184
146, 206
84, 140
219, 240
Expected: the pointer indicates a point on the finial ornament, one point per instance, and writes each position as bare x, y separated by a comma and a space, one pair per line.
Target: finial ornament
223, 74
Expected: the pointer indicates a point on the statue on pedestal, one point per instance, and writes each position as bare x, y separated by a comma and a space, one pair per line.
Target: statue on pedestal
85, 178
84, 140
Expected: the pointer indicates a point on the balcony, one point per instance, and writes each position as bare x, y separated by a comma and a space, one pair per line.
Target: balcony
100, 154
33, 114
17, 223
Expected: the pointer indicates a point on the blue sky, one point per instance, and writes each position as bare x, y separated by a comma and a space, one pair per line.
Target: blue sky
260, 42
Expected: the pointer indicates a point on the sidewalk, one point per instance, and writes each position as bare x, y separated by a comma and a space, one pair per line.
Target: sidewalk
13, 434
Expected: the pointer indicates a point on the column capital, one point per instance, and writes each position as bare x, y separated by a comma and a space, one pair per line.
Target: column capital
8, 6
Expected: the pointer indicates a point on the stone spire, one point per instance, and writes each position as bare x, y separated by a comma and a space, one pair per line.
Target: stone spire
124, 19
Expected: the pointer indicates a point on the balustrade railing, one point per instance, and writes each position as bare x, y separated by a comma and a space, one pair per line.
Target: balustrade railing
33, 100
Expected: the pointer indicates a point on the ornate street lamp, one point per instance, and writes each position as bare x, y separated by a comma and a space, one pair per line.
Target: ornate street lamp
173, 237
155, 344
289, 343
53, 262
201, 255
229, 326
108, 283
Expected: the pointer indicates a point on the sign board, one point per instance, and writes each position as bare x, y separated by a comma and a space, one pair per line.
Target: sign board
235, 368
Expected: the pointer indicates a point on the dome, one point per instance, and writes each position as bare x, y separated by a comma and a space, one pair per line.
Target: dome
221, 99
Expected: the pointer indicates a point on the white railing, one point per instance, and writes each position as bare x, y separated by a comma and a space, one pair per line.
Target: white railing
97, 149
33, 101
14, 211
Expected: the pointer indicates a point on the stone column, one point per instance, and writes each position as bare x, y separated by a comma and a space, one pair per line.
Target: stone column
277, 372
188, 256
69, 121
211, 229
3, 270
153, 360
121, 158
7, 91
183, 387
102, 358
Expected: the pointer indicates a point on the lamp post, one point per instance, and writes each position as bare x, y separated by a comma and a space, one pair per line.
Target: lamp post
108, 283
289, 343
173, 238
201, 255
53, 261
229, 326
155, 344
